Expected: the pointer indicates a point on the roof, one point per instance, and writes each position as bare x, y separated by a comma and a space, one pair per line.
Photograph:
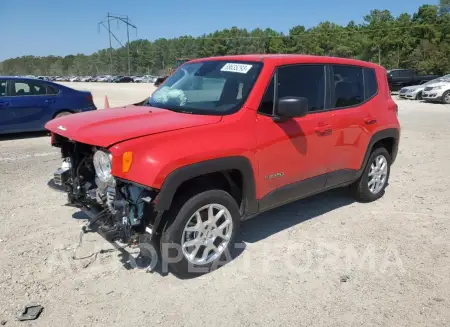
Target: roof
21, 78
290, 59
32, 79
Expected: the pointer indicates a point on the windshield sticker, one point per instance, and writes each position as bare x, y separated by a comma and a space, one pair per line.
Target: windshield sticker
236, 68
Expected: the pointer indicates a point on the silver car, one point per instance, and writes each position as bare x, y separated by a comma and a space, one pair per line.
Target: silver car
415, 92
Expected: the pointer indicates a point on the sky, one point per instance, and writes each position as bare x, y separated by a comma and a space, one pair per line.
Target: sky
62, 27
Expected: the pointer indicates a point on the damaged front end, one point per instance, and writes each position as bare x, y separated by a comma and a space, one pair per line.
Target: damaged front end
122, 210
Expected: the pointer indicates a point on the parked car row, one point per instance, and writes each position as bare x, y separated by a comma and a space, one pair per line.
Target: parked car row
101, 78
436, 90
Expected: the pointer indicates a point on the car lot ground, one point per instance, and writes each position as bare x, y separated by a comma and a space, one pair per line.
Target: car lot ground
323, 261
118, 94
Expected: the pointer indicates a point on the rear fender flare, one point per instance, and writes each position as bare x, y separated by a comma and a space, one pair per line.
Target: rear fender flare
180, 175
383, 134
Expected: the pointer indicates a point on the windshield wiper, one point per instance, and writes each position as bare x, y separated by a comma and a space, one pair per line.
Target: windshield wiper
179, 110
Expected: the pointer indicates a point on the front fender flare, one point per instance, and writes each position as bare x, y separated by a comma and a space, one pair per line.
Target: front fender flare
182, 174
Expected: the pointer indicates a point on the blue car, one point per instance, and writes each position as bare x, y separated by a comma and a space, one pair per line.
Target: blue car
27, 104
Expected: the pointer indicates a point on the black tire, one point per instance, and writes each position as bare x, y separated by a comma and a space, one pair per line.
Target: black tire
63, 113
419, 96
360, 188
181, 212
446, 97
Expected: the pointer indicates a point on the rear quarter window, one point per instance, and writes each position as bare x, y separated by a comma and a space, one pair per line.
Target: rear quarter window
52, 90
371, 87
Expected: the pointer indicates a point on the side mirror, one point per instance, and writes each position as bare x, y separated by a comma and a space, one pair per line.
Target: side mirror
290, 107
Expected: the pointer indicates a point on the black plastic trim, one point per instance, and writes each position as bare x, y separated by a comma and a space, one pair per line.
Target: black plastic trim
126, 181
307, 187
384, 134
180, 175
341, 177
292, 192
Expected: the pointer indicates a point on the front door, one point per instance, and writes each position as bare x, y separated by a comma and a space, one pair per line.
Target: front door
292, 155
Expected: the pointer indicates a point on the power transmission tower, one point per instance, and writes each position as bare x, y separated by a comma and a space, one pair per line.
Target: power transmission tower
118, 18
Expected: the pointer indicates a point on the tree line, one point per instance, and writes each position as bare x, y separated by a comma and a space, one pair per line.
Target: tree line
419, 41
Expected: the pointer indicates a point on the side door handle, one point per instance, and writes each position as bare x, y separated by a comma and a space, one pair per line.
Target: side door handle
323, 129
369, 120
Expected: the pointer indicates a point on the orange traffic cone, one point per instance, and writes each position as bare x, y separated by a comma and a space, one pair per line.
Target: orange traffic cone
106, 106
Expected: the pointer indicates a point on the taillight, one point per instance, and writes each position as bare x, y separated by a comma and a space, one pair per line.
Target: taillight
89, 98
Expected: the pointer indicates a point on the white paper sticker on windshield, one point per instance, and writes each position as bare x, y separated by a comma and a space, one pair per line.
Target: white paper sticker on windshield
236, 68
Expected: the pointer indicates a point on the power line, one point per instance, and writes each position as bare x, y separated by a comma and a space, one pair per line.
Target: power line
119, 19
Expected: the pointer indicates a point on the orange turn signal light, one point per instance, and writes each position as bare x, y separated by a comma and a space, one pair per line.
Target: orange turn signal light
127, 159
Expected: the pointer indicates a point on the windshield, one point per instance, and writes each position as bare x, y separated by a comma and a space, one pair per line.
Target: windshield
445, 78
207, 87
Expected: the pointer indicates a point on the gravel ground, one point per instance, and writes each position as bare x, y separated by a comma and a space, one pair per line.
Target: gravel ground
323, 261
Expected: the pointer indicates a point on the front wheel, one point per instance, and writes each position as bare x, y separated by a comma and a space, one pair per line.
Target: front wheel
419, 96
446, 97
202, 233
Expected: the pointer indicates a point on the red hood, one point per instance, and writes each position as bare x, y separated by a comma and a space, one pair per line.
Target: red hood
109, 126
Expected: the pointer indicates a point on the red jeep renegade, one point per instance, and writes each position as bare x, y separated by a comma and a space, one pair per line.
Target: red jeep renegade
224, 139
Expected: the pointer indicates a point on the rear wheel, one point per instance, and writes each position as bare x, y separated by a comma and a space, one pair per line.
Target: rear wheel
374, 179
63, 113
446, 97
202, 233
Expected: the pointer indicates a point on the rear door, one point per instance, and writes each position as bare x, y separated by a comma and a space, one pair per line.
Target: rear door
31, 105
350, 115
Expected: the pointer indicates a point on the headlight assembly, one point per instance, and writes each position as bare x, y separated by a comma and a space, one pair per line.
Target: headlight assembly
102, 165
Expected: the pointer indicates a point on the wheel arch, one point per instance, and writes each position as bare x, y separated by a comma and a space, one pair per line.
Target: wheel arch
60, 111
389, 138
221, 165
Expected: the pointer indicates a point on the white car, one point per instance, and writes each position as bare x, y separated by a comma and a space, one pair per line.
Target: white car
438, 92
106, 78
148, 79
416, 92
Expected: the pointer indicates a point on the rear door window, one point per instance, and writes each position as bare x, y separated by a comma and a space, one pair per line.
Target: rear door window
348, 86
27, 88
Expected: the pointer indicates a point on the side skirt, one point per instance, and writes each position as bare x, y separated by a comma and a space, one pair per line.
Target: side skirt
306, 188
